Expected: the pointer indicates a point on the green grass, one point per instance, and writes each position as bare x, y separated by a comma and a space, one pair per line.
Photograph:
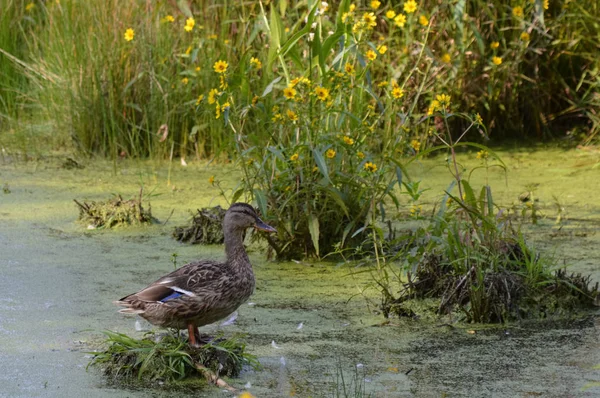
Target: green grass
111, 96
169, 359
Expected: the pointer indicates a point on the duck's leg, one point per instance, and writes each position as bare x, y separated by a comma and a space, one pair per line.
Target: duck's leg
192, 329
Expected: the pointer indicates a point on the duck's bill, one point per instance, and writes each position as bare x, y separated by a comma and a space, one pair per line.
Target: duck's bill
261, 226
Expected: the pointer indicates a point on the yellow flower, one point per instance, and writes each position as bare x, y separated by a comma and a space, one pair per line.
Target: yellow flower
482, 155
446, 58
369, 20
390, 14
410, 6
348, 140
212, 37
211, 96
211, 180
382, 49
397, 92
246, 394
443, 99
433, 107
415, 210
218, 111
292, 115
360, 155
546, 4
294, 157
517, 11
129, 33
400, 20
375, 4
330, 153
200, 98
494, 45
289, 92
189, 24
256, 62
349, 68
322, 93
220, 66
370, 166
496, 60
371, 55
525, 36
30, 7
255, 99
169, 18
225, 106
423, 20
184, 81
416, 145
478, 119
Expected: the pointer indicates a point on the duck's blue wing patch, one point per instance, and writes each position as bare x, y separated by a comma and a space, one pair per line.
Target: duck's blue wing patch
171, 296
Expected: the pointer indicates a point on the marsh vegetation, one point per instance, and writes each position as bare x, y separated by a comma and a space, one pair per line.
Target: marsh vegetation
324, 115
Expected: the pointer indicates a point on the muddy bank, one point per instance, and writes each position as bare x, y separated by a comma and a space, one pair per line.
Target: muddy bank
306, 321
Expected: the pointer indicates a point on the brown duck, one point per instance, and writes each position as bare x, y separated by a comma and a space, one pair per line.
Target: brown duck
204, 291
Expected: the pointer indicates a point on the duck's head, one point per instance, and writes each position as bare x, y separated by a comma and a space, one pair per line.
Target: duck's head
242, 216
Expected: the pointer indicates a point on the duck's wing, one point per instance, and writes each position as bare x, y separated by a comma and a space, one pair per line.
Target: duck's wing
192, 277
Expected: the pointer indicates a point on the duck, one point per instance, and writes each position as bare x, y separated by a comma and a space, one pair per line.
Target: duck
203, 291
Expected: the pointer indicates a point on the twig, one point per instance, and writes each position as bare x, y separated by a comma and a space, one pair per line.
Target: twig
460, 283
168, 218
211, 377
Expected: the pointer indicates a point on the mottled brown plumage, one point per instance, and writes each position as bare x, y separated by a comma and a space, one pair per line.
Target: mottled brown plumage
204, 291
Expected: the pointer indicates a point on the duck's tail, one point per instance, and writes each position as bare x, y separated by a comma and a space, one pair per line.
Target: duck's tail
128, 308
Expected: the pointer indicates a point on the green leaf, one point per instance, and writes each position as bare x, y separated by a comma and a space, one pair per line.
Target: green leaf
322, 165
313, 228
237, 194
399, 176
490, 200
469, 194
458, 13
337, 197
298, 35
261, 201
276, 29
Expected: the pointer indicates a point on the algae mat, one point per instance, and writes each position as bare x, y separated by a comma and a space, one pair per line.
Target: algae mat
307, 322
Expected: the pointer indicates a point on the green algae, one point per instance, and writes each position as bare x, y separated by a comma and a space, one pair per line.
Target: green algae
305, 321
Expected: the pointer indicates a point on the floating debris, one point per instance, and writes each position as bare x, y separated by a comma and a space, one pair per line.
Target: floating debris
206, 228
114, 212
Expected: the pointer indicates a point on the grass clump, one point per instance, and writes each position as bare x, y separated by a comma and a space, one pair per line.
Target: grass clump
170, 360
472, 262
114, 212
206, 227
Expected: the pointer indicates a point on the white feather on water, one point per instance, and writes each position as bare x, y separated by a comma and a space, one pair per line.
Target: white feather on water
230, 320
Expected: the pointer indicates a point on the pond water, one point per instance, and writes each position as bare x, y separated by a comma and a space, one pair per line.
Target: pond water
307, 321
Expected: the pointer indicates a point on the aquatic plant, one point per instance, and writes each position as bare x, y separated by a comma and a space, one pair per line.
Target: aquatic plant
206, 227
169, 359
114, 212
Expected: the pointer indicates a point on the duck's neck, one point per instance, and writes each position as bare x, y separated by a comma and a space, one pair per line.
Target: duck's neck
234, 248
